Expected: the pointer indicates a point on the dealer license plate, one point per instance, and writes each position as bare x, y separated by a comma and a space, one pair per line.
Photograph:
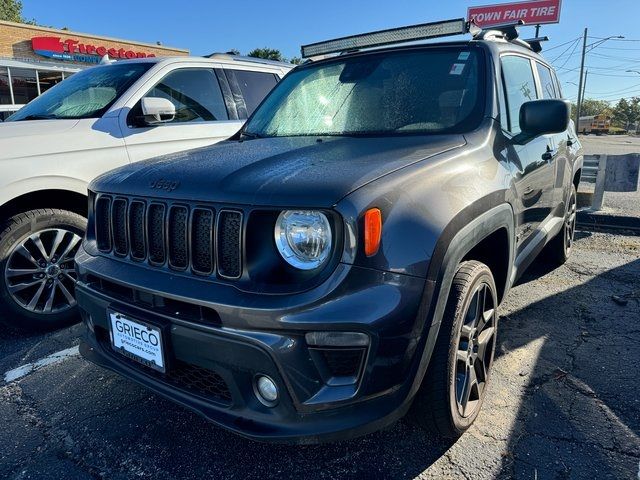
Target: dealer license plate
137, 340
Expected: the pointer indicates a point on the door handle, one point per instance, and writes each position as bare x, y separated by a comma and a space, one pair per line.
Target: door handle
549, 154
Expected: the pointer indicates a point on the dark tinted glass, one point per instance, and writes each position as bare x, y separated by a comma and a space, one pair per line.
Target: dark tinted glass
393, 93
5, 92
48, 79
546, 82
5, 115
519, 85
25, 85
87, 94
195, 93
254, 87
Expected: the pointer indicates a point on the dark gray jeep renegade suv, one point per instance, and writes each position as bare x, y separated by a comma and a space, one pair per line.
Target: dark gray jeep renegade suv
339, 262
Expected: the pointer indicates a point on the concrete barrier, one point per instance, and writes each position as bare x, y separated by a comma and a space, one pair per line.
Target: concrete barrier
611, 173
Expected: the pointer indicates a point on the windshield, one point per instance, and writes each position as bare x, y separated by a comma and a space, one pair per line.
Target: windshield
87, 94
436, 90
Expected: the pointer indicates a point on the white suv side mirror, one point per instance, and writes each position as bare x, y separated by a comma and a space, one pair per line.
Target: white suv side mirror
157, 110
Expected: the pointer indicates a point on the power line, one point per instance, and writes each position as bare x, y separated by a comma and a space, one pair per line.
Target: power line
575, 45
620, 49
618, 76
616, 57
626, 95
568, 70
617, 39
615, 91
561, 45
574, 42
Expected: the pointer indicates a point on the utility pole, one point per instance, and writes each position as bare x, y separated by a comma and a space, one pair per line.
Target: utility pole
579, 103
584, 87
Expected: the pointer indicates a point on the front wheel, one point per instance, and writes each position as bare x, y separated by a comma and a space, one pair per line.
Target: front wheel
455, 384
37, 276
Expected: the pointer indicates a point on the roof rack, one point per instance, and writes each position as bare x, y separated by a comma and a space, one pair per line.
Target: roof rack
507, 32
536, 43
243, 58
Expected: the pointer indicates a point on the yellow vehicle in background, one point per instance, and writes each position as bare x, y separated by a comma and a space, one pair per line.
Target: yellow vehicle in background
597, 124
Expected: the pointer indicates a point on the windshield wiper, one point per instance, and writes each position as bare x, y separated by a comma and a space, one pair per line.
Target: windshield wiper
37, 117
244, 133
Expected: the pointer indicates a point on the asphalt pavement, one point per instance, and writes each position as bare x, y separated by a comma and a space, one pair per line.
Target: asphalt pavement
563, 401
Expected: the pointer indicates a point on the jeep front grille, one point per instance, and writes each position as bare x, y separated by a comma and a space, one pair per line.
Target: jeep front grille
176, 235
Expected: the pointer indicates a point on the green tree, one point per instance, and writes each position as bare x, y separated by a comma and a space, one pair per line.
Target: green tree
627, 112
295, 60
594, 107
11, 11
267, 54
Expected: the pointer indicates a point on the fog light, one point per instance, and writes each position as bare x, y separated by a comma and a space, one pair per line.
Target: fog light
266, 390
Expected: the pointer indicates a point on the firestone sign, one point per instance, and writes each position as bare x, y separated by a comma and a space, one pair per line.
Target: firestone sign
534, 12
75, 51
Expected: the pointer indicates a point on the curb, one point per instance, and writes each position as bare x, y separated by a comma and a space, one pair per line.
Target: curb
597, 221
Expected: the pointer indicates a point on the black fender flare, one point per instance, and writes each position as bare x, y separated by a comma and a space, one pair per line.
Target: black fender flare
450, 250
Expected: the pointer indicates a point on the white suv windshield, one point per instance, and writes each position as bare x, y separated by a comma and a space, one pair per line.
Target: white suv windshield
87, 94
417, 91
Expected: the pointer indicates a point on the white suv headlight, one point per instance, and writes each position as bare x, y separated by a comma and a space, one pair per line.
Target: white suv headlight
303, 238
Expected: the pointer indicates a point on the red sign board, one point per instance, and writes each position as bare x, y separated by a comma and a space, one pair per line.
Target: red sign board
534, 12
74, 50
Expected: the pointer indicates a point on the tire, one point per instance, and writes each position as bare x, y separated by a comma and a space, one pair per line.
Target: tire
37, 284
439, 405
559, 248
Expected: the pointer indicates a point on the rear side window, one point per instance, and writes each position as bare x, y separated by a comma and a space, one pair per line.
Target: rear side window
520, 87
25, 85
5, 92
557, 84
196, 94
546, 82
254, 86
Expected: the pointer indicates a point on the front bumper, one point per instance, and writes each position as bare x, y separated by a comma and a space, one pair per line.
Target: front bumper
245, 334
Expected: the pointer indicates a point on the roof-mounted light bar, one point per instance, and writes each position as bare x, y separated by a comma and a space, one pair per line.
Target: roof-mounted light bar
386, 37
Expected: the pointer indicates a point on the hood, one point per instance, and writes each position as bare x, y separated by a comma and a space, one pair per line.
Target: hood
286, 171
18, 139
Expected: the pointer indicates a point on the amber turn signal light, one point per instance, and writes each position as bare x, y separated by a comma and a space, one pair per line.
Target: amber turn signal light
372, 231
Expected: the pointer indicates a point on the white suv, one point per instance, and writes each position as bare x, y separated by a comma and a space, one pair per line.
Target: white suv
96, 120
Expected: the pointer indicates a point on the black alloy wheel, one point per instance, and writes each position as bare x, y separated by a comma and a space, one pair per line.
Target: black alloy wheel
455, 385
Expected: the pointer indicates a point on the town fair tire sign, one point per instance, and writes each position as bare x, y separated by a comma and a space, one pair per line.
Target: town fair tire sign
534, 12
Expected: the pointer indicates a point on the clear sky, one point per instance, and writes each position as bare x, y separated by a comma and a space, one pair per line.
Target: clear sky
205, 26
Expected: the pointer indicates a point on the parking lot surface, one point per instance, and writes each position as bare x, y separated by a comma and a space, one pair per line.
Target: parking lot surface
610, 144
563, 400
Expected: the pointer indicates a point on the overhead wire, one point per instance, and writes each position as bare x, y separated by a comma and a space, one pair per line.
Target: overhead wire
575, 45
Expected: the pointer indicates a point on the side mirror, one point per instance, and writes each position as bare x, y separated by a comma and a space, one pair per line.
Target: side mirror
157, 110
542, 117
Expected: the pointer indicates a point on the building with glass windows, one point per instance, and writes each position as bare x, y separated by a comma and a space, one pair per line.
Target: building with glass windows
33, 59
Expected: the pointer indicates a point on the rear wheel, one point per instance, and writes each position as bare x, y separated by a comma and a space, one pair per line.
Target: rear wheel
37, 276
455, 385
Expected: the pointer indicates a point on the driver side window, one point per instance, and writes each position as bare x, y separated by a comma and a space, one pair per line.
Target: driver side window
520, 87
196, 94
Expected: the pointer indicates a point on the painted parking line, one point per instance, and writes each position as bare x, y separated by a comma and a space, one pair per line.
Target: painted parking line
62, 355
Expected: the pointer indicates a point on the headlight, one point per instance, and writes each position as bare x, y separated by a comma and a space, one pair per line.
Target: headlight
303, 238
